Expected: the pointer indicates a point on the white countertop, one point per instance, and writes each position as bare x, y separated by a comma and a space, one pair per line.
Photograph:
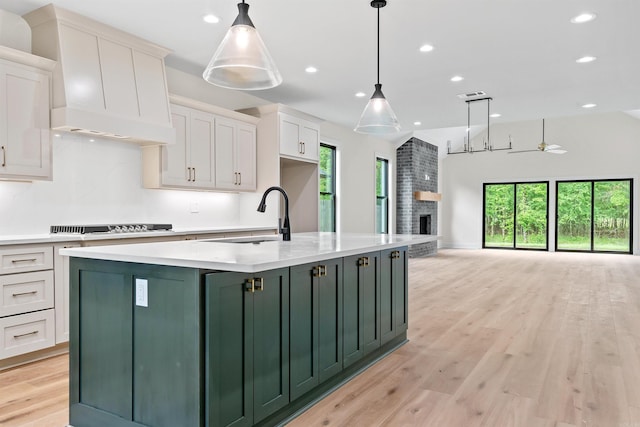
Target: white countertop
250, 257
70, 237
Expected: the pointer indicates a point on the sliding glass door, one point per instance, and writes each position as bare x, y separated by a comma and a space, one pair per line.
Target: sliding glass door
515, 215
594, 216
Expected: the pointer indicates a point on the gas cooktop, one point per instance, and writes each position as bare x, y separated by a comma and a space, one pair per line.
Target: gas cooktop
109, 228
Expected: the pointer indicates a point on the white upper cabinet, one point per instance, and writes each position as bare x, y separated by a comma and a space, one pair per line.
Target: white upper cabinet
25, 140
299, 138
189, 162
212, 151
235, 155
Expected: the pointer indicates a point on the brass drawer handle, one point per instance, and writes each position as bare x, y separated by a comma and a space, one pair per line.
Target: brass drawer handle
363, 261
250, 285
25, 335
320, 271
259, 284
240, 176
16, 261
395, 254
25, 293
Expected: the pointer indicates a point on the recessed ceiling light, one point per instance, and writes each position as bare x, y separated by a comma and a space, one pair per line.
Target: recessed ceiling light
426, 48
457, 78
92, 140
417, 123
210, 18
360, 94
311, 70
588, 105
585, 59
57, 135
494, 115
583, 17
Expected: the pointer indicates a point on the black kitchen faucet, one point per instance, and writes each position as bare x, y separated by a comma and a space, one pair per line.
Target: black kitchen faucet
285, 230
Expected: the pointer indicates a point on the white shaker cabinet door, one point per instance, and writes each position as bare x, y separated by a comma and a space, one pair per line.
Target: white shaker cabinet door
24, 118
201, 149
225, 143
246, 157
175, 156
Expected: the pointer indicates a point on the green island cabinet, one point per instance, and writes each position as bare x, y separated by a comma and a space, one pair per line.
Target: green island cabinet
206, 348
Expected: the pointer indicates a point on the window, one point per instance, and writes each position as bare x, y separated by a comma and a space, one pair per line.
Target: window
382, 195
515, 215
594, 216
327, 188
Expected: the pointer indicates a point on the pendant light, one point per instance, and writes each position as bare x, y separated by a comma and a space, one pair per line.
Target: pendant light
378, 117
242, 60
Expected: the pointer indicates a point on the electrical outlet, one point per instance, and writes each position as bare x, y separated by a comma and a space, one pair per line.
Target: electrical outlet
142, 294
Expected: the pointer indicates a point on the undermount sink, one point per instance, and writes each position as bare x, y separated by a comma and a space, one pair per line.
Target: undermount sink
256, 240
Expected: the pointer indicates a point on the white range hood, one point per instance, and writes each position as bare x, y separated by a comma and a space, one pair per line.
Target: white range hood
107, 82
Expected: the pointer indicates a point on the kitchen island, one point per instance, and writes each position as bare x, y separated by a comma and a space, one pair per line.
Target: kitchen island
235, 332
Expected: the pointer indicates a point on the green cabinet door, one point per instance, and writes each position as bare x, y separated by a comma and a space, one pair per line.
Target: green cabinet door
247, 346
316, 324
393, 292
361, 290
134, 362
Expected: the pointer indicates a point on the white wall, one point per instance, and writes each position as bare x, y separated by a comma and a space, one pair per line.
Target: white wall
599, 147
357, 190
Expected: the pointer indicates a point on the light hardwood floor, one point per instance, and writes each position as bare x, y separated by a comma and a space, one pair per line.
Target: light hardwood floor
497, 338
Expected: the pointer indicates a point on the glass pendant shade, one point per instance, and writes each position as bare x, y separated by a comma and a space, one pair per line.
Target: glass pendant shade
378, 117
242, 60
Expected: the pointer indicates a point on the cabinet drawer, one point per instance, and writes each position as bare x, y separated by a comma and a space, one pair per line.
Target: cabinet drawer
21, 293
26, 332
25, 259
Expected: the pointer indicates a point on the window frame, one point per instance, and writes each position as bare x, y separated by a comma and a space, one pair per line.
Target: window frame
386, 197
592, 237
333, 193
515, 214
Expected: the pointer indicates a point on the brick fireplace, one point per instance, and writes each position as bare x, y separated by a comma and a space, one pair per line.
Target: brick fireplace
417, 170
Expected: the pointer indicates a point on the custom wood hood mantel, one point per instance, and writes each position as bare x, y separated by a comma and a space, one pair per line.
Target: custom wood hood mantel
427, 196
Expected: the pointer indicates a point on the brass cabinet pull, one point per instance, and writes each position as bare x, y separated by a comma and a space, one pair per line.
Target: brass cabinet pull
4, 156
194, 174
16, 261
320, 271
363, 261
259, 284
300, 147
304, 148
395, 254
235, 178
250, 285
240, 175
25, 293
189, 174
26, 335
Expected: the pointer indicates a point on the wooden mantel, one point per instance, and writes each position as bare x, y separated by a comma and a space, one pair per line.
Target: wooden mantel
427, 195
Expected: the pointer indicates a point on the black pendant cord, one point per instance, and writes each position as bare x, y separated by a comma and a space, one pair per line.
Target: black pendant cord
378, 45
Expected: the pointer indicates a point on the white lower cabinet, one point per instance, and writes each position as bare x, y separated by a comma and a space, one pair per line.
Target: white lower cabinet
61, 270
27, 299
27, 332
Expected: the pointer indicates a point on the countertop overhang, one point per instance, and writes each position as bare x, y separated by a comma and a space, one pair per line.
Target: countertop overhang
250, 258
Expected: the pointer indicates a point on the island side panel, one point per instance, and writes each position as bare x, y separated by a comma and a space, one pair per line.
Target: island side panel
128, 366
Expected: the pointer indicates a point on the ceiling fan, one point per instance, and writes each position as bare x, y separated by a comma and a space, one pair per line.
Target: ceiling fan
543, 146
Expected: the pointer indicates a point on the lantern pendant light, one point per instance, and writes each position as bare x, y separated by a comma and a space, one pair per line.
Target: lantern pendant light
242, 60
378, 117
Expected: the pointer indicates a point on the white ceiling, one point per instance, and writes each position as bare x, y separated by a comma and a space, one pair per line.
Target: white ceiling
520, 52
